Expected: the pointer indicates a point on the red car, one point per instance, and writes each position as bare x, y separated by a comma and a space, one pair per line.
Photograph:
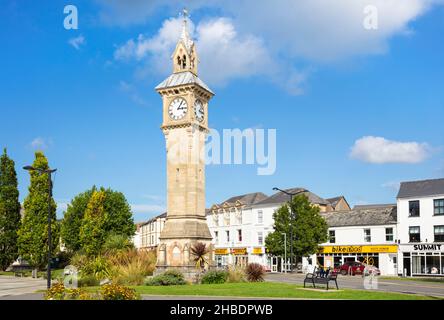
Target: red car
353, 267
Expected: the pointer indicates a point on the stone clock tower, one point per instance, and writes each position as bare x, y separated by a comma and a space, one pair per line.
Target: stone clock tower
185, 126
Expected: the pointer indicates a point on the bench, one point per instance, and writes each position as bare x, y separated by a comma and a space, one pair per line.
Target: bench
317, 277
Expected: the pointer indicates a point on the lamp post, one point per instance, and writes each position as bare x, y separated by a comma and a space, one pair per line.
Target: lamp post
48, 172
292, 217
285, 251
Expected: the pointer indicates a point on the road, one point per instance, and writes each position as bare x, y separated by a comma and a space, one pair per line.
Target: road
14, 286
434, 289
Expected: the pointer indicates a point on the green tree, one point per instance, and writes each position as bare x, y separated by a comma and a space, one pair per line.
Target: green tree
118, 217
33, 232
72, 220
9, 211
309, 229
92, 232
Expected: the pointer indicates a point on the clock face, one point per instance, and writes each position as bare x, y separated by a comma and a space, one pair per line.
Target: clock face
199, 110
178, 109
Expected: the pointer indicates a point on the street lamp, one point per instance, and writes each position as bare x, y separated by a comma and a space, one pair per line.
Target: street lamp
292, 217
48, 172
285, 251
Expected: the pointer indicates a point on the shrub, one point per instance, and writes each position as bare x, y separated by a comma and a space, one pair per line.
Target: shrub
168, 278
116, 292
255, 272
79, 259
215, 277
98, 267
88, 281
117, 242
131, 267
236, 274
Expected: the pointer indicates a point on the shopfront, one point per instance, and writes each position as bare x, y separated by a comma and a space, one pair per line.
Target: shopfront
422, 259
383, 257
221, 257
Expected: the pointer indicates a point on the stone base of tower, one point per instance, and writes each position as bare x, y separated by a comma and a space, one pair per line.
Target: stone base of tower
178, 237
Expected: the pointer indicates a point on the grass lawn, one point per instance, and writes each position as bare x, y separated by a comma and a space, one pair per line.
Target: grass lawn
273, 290
425, 279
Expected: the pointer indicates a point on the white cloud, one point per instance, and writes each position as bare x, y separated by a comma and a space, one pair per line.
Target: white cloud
40, 143
132, 92
380, 150
224, 54
147, 208
77, 42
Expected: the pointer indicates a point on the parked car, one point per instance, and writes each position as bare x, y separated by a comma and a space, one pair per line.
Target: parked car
352, 267
356, 267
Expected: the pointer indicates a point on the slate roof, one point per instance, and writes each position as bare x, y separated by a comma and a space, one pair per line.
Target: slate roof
182, 78
421, 188
163, 215
362, 217
334, 201
248, 199
371, 206
281, 197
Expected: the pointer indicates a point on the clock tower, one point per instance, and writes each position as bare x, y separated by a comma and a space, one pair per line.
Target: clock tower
185, 126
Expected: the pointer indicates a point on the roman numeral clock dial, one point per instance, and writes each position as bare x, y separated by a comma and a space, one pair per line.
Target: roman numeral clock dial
178, 109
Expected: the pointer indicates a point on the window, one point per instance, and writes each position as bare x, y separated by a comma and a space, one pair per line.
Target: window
260, 238
367, 235
439, 207
216, 237
332, 236
152, 239
260, 217
228, 236
439, 233
414, 234
239, 235
414, 208
388, 234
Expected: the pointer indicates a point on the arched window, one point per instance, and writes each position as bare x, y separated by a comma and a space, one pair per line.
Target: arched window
179, 61
184, 62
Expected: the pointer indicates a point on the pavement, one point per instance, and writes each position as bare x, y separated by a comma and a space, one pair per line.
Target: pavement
433, 289
11, 287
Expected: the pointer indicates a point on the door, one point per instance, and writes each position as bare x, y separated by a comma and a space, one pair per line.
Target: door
274, 264
406, 266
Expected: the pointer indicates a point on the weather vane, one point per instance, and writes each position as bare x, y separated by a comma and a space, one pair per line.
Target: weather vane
185, 13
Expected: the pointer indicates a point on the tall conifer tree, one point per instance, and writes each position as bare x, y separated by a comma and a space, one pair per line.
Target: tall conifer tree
9, 211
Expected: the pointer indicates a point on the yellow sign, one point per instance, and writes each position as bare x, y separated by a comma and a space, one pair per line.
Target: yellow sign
221, 251
241, 251
258, 251
359, 249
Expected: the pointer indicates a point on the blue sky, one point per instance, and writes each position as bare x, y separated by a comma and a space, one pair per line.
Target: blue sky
327, 85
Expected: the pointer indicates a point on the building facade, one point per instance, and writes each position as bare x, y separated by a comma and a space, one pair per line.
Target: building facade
149, 232
240, 225
367, 234
421, 228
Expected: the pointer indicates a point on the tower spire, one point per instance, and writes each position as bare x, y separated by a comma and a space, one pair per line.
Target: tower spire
185, 55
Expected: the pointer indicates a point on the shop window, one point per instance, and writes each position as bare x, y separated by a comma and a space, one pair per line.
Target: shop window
367, 235
414, 208
414, 234
239, 235
418, 264
388, 234
438, 207
432, 265
332, 236
260, 217
260, 238
439, 233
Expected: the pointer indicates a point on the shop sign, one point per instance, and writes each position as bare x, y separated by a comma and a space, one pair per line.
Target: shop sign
359, 249
427, 247
239, 251
221, 251
258, 251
